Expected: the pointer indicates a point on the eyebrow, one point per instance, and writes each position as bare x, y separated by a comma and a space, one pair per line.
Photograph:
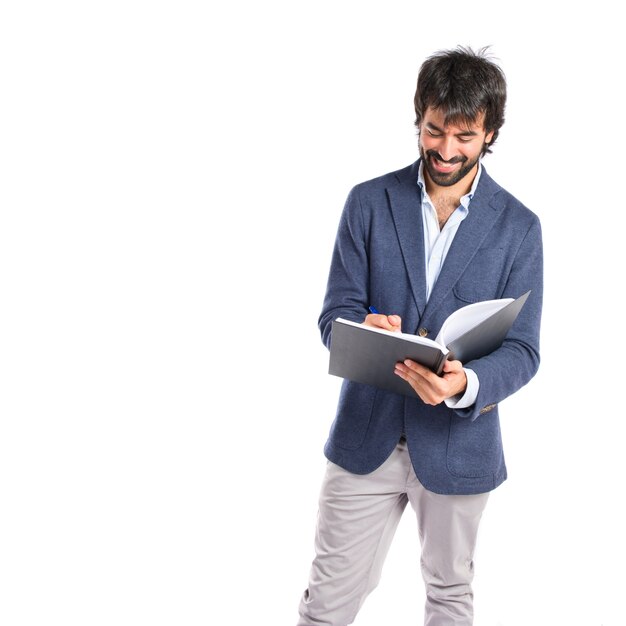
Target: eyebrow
464, 133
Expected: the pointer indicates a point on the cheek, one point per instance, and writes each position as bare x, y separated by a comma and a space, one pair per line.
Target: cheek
471, 153
427, 143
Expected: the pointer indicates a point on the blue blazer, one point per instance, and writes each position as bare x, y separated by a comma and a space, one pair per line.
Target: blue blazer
378, 260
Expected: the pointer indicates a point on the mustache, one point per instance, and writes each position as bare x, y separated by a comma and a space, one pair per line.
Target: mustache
453, 160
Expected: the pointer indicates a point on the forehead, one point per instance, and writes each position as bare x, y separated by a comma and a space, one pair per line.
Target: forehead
438, 118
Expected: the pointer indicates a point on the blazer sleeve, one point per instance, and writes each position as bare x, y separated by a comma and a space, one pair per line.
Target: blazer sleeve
347, 287
511, 366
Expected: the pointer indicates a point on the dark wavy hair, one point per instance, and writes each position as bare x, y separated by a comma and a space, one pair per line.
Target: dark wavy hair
462, 84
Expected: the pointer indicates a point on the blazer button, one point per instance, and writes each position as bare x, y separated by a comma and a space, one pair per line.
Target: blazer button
422, 332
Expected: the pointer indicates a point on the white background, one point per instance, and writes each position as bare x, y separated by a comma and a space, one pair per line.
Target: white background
171, 178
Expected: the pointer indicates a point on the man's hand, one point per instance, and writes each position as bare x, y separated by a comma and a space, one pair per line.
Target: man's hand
433, 389
388, 322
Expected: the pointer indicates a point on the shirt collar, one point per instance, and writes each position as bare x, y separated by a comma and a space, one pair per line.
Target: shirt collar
465, 200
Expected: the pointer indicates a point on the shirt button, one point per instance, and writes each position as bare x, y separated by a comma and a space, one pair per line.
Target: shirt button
422, 332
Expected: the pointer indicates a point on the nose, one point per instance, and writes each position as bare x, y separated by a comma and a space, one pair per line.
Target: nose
446, 148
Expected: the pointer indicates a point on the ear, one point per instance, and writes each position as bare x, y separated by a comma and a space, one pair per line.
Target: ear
488, 138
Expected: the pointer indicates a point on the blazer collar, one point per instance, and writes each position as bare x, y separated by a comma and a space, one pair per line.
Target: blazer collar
405, 198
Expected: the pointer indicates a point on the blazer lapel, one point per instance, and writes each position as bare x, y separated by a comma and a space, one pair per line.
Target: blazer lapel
405, 199
471, 233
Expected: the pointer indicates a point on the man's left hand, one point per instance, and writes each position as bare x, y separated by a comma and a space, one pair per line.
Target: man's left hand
433, 389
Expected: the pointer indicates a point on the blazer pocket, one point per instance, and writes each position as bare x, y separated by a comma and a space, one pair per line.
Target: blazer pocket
482, 279
475, 447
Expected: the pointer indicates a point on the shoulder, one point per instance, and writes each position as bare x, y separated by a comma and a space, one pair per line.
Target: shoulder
371, 197
377, 185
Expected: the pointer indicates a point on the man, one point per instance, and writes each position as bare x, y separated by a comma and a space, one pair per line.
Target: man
417, 244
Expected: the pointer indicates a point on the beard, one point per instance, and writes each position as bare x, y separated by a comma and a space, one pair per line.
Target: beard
449, 178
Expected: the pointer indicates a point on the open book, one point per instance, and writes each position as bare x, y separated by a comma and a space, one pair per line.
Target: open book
368, 355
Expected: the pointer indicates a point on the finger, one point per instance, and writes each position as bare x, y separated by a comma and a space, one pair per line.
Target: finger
404, 372
418, 384
413, 378
417, 368
378, 320
394, 320
452, 366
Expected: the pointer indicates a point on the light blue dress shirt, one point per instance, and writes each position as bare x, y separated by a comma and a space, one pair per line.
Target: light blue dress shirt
437, 243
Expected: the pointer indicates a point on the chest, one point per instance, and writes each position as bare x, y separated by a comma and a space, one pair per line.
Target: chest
444, 207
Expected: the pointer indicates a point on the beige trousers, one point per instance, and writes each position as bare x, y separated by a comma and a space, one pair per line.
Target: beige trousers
358, 516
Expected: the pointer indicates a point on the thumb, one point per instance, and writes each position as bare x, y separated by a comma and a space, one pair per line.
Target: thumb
452, 366
394, 320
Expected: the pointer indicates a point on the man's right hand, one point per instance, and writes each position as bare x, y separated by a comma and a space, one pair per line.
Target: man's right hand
387, 322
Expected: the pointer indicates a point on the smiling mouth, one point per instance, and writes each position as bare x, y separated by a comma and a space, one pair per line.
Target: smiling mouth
443, 167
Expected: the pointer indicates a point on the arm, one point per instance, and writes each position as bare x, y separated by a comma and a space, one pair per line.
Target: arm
347, 287
510, 367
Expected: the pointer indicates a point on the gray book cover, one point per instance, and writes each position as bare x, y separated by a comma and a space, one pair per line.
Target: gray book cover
367, 355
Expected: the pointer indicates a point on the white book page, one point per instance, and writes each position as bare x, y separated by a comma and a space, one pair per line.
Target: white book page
467, 317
